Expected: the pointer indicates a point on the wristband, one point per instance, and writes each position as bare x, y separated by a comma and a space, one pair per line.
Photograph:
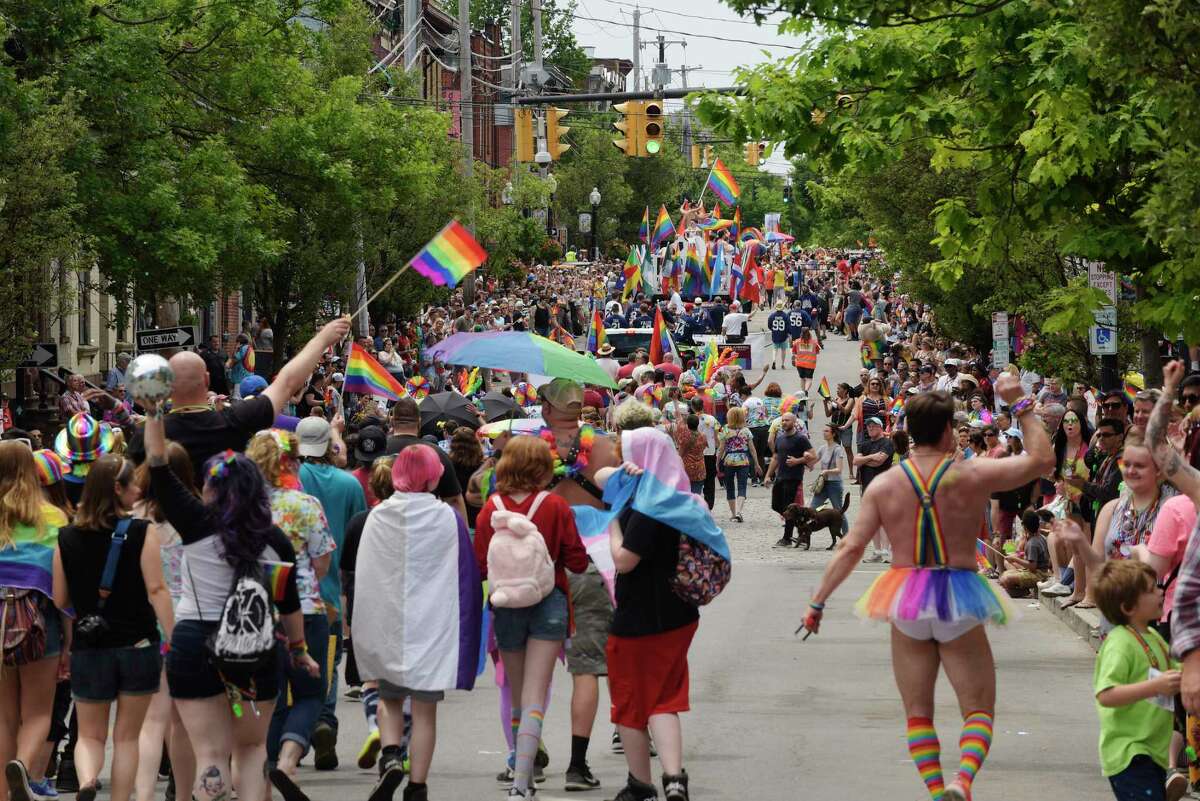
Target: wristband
164, 647
297, 645
816, 606
1021, 406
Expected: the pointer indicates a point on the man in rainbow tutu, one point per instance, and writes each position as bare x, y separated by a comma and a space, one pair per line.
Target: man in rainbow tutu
932, 509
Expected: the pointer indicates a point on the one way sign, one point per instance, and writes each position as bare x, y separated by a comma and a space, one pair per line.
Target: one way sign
45, 354
181, 336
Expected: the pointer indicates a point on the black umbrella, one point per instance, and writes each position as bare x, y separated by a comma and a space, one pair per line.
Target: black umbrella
498, 406
447, 406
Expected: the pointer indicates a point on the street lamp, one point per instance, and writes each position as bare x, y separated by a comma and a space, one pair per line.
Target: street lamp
594, 197
552, 185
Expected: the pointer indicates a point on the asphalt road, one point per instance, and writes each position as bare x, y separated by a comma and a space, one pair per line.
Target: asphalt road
776, 718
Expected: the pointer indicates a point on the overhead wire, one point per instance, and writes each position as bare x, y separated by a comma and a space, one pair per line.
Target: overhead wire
694, 35
685, 15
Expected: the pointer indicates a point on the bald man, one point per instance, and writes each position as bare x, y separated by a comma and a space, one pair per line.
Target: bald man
204, 431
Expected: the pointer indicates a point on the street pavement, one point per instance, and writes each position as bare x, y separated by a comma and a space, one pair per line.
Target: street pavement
777, 718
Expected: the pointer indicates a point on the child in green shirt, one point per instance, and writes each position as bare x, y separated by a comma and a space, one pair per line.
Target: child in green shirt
1135, 683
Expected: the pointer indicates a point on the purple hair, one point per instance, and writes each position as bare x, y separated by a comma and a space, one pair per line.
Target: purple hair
241, 507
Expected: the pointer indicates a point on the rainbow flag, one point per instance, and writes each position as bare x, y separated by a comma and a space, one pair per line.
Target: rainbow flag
449, 256
716, 225
470, 382
644, 231
870, 352
365, 376
981, 557
717, 269
722, 183
716, 214
596, 336
1131, 391
663, 228
823, 387
633, 273
275, 574
660, 341
737, 222
693, 270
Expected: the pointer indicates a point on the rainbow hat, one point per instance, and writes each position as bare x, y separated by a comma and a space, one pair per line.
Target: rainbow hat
84, 439
50, 466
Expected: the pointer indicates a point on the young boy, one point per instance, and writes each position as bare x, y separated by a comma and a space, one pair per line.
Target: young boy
1023, 574
1135, 682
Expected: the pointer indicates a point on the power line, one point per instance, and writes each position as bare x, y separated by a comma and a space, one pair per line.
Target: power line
723, 20
693, 35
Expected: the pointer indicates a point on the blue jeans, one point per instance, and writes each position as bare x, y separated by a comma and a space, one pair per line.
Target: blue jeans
832, 492
295, 721
329, 712
697, 487
736, 476
1142, 780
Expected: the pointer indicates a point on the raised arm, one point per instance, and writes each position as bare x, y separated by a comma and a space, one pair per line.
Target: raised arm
1175, 468
292, 376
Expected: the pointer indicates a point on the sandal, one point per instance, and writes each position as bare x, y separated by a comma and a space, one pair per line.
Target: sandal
1085, 605
1068, 604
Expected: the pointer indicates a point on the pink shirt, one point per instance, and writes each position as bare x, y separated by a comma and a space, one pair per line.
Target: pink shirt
1172, 528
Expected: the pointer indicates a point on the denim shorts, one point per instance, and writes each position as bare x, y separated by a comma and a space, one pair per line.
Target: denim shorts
189, 674
545, 620
101, 674
54, 627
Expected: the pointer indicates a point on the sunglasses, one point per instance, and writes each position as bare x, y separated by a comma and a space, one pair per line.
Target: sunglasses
989, 433
1107, 434
1113, 404
1189, 399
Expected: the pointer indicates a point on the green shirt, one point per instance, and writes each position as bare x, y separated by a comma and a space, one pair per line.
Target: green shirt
1141, 727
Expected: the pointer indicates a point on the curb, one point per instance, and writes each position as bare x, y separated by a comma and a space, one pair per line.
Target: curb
1084, 622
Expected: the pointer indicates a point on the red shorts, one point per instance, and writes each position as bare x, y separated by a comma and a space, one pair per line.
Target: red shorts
648, 675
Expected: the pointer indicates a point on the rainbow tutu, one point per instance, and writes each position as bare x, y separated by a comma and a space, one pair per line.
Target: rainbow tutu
933, 593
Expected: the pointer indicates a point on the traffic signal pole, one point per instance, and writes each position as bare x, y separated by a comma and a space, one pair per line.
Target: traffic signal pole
666, 94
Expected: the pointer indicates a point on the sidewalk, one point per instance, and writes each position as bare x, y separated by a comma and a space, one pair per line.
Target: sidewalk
1084, 622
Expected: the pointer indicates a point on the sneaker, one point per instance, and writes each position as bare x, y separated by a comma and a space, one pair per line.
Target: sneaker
324, 745
636, 791
581, 778
369, 753
1177, 784
66, 780
18, 781
784, 542
416, 793
539, 775
1058, 589
390, 778
505, 776
875, 557
87, 793
352, 693
1047, 584
886, 557
44, 790
169, 793
541, 761
675, 788
513, 792
617, 746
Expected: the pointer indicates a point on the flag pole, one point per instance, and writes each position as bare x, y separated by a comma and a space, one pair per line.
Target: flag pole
700, 200
379, 291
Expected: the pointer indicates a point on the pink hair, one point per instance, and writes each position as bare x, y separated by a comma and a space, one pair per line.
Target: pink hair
417, 469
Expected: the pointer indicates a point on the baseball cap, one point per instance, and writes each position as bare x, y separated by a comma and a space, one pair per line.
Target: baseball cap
252, 385
562, 393
372, 442
314, 434
874, 421
339, 377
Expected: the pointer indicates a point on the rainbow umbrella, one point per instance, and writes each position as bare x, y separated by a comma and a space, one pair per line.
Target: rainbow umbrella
519, 352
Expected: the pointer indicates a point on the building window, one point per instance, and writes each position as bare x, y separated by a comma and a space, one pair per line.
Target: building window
85, 309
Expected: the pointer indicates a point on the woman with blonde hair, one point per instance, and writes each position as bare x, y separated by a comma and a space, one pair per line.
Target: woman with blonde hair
29, 527
302, 519
736, 456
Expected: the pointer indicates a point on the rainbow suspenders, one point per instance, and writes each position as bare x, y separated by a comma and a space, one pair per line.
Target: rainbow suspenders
929, 544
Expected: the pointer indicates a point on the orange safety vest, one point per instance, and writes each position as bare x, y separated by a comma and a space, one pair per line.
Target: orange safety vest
805, 356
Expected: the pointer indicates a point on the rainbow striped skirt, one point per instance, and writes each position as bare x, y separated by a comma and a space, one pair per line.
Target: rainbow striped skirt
947, 594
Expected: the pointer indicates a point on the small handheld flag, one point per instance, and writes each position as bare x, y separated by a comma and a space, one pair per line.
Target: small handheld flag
644, 231
365, 376
660, 341
663, 227
276, 575
449, 256
722, 183
823, 387
596, 336
633, 273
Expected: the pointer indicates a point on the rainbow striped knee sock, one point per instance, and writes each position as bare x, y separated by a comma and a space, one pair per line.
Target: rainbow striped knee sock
974, 743
926, 753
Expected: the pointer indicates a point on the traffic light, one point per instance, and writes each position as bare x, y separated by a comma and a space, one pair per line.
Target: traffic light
630, 125
696, 157
708, 157
753, 152
523, 131
554, 132
652, 128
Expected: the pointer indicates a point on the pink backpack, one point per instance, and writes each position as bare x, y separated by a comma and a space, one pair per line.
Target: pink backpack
520, 571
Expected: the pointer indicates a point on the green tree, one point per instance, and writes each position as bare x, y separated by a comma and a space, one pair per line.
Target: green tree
559, 45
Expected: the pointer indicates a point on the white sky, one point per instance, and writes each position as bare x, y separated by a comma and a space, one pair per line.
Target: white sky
690, 20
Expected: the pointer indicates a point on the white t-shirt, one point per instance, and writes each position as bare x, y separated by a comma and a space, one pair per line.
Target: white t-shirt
732, 324
708, 427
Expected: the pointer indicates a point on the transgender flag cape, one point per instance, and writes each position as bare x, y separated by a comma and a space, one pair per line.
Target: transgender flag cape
662, 492
418, 600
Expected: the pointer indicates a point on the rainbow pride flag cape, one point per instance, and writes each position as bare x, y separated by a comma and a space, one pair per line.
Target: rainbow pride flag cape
722, 183
449, 256
365, 376
28, 564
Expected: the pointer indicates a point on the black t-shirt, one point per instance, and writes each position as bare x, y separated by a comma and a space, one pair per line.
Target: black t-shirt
794, 444
867, 473
348, 556
210, 432
215, 365
541, 317
128, 612
646, 603
448, 485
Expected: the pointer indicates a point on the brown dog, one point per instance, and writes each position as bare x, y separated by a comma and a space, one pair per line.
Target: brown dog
808, 520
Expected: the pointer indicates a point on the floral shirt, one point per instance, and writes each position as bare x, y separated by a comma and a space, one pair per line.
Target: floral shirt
756, 412
302, 519
771, 406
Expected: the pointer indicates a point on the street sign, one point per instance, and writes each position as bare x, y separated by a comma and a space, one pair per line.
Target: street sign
181, 336
45, 354
1102, 337
585, 222
1103, 280
1000, 351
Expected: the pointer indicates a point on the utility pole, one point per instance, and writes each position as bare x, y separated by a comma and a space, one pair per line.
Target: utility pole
517, 46
412, 18
535, 9
637, 49
466, 85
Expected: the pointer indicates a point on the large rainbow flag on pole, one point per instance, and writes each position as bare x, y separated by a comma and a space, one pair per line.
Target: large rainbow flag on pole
633, 273
365, 376
660, 341
722, 183
663, 227
449, 256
